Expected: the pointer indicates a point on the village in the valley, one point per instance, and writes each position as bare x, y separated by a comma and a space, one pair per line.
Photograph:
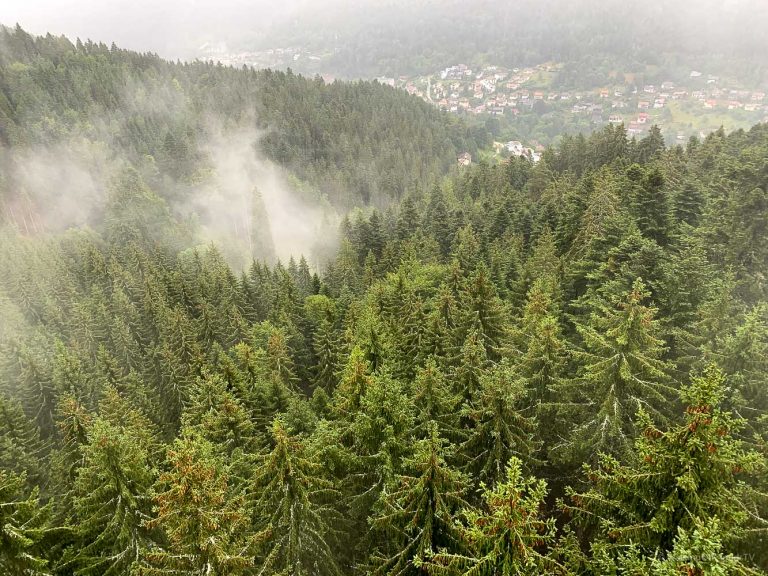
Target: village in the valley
693, 108
694, 105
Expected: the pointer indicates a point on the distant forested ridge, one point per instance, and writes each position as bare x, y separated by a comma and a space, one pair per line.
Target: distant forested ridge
556, 368
591, 37
354, 143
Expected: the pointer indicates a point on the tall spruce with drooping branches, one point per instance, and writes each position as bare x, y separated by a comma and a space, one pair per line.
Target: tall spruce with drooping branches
294, 511
23, 527
416, 515
508, 534
205, 525
621, 372
694, 471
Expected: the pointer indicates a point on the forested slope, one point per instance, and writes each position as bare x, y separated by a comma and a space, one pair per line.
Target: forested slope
353, 143
425, 404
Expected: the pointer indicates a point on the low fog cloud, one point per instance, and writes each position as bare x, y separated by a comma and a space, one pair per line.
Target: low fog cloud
244, 203
56, 187
228, 208
177, 28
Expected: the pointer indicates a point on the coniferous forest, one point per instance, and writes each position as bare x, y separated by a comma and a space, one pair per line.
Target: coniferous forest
500, 369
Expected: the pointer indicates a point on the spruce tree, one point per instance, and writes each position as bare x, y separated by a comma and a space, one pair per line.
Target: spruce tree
23, 528
540, 345
484, 311
691, 472
435, 402
112, 502
205, 523
326, 348
508, 535
293, 509
415, 517
621, 372
499, 430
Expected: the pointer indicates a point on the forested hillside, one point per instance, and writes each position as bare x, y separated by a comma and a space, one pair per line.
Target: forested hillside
368, 39
518, 369
556, 368
351, 143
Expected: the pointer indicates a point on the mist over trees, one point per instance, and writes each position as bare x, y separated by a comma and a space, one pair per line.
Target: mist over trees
508, 368
407, 37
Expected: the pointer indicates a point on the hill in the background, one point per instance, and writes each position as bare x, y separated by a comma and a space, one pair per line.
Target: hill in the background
410, 37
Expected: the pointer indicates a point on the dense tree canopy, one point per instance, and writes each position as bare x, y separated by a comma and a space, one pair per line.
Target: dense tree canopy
518, 369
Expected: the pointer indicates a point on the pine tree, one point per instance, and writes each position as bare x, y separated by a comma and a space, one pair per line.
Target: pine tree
700, 550
542, 266
466, 250
483, 310
215, 414
21, 449
74, 423
355, 381
437, 221
651, 206
408, 220
326, 347
540, 344
435, 401
379, 436
261, 244
280, 358
471, 363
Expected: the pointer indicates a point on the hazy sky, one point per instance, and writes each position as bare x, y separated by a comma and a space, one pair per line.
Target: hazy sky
172, 28
176, 28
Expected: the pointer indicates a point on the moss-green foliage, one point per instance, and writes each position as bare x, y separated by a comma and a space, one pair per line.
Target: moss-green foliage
399, 410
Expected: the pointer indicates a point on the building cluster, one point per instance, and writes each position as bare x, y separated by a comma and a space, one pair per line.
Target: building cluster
500, 91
